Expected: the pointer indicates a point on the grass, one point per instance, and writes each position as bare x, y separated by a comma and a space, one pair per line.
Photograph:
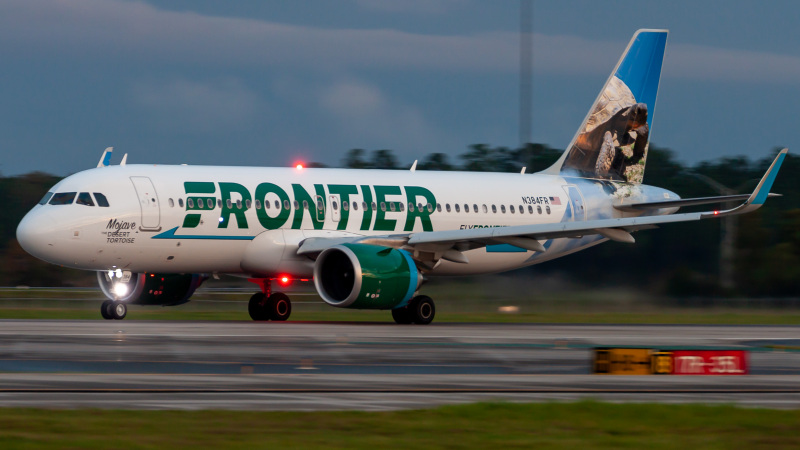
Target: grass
585, 424
456, 302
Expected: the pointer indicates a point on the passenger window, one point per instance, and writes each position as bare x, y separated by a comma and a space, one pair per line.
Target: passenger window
229, 203
180, 202
393, 206
475, 207
511, 208
355, 206
101, 200
346, 205
278, 204
171, 203
485, 209
458, 208
46, 198
247, 203
547, 208
383, 206
258, 204
364, 206
374, 206
521, 209
430, 207
438, 207
296, 205
466, 208
305, 205
503, 209
286, 204
239, 204
84, 199
219, 203
494, 209
530, 209
539, 209
447, 207
410, 207
190, 202
63, 198
402, 206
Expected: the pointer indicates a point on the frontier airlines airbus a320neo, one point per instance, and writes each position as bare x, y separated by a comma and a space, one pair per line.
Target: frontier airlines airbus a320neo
368, 238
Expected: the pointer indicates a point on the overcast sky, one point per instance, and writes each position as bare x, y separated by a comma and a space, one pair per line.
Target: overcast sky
271, 82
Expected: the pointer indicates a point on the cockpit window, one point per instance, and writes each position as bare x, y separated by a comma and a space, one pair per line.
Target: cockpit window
46, 198
101, 200
63, 198
84, 199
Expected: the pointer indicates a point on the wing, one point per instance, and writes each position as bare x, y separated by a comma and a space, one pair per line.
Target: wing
450, 244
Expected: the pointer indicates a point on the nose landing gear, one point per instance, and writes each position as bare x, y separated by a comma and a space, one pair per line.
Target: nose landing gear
111, 310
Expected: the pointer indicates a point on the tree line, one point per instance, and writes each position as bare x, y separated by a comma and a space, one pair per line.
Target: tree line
678, 259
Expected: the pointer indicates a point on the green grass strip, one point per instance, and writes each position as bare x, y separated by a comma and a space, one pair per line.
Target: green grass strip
584, 424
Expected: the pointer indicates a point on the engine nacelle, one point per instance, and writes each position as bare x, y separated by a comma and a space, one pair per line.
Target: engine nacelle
365, 276
150, 288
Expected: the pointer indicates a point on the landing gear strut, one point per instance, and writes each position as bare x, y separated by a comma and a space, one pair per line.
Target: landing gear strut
420, 310
111, 310
269, 305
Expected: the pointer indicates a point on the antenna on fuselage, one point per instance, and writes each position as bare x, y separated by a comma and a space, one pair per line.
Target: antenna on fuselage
124, 159
414, 166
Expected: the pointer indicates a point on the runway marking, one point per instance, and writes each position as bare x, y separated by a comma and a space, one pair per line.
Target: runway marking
393, 391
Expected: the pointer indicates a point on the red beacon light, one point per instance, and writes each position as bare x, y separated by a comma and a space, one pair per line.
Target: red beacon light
284, 280
299, 166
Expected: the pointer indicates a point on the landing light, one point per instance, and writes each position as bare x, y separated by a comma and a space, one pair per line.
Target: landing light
110, 274
120, 289
119, 273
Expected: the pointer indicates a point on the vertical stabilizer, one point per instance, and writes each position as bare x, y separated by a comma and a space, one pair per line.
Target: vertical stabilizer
612, 142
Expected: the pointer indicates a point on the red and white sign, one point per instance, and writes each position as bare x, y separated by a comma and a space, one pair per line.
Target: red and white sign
709, 362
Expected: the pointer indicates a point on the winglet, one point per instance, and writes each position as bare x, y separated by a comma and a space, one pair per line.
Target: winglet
761, 192
105, 159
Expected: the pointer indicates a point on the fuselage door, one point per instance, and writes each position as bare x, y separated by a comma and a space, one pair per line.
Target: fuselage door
320, 207
576, 203
148, 202
335, 205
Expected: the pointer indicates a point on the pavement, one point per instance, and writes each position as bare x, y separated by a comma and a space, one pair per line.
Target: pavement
368, 366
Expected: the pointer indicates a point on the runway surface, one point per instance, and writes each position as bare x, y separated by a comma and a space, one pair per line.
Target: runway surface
367, 366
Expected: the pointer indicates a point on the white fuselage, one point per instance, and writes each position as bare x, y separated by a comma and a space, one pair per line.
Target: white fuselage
204, 219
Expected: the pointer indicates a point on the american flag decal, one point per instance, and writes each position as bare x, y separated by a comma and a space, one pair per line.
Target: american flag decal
555, 200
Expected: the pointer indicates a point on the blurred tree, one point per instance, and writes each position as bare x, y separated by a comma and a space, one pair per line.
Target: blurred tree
355, 159
436, 161
384, 159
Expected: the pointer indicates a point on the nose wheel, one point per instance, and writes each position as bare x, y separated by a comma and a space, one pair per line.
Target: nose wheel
276, 307
111, 310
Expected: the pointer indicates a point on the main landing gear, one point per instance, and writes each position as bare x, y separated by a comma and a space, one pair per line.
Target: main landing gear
111, 310
267, 305
420, 310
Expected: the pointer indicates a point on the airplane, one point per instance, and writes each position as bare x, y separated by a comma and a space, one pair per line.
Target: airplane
367, 238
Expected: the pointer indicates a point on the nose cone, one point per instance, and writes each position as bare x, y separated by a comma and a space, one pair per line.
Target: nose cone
36, 234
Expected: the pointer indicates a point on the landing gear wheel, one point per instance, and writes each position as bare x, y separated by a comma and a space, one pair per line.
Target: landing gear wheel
421, 309
402, 315
279, 307
257, 307
105, 309
118, 310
